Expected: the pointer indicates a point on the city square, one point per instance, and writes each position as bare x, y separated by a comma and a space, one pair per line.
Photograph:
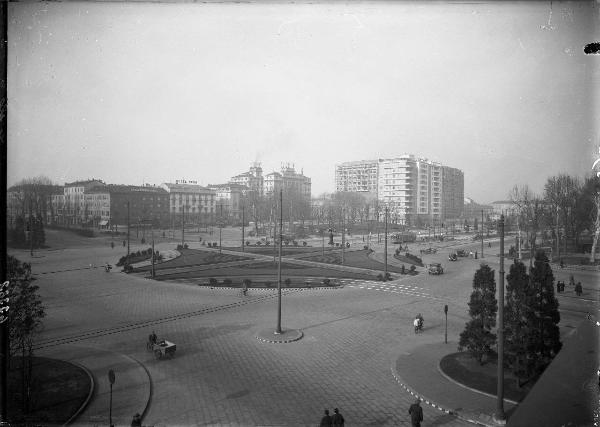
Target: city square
294, 214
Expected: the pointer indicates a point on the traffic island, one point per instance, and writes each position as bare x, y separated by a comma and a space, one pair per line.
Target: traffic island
286, 336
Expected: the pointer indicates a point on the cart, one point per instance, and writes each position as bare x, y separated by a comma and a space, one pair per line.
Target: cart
162, 349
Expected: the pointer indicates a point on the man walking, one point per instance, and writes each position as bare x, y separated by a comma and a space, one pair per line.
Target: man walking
337, 420
416, 413
326, 420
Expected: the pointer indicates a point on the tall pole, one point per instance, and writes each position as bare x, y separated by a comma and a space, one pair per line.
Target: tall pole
183, 226
385, 246
482, 233
519, 238
557, 234
323, 239
220, 227
128, 225
30, 229
278, 330
243, 219
153, 251
343, 236
500, 395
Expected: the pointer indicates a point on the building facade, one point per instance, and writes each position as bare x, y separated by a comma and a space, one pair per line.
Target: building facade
360, 176
190, 202
230, 199
414, 190
75, 209
253, 179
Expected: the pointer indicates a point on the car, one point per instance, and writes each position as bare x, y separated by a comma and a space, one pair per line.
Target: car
461, 252
435, 268
452, 257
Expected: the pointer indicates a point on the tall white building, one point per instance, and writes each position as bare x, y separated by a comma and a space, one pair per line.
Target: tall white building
288, 180
413, 189
253, 179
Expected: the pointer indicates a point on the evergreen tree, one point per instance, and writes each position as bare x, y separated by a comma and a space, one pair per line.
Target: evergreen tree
477, 337
518, 317
545, 332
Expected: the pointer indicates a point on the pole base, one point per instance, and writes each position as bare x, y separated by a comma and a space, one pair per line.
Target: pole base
285, 336
499, 419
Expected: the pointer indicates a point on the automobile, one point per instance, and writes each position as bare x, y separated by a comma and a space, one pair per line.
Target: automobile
428, 251
461, 253
452, 257
435, 268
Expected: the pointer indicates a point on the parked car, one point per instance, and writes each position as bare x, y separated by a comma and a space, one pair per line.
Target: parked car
435, 268
461, 252
452, 257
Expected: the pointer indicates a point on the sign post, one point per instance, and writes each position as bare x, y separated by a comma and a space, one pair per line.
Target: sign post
446, 333
111, 379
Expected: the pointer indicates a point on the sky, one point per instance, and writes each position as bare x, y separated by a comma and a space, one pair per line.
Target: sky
135, 93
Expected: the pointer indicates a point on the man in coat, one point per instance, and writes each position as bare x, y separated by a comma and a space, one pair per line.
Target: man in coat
326, 420
337, 420
416, 413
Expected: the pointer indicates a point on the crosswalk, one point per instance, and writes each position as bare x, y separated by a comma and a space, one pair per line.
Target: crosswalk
392, 287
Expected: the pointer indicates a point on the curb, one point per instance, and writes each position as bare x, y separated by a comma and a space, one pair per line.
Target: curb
87, 399
150, 394
292, 339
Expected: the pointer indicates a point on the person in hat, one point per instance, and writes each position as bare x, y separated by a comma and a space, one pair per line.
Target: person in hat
337, 420
326, 420
416, 413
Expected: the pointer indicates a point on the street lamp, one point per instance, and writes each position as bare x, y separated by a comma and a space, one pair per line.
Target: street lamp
500, 386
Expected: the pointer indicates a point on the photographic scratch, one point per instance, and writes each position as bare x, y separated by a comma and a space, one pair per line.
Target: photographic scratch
592, 48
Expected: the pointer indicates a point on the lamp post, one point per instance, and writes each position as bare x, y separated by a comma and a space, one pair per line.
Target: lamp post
243, 220
482, 233
385, 246
343, 235
500, 389
220, 226
278, 330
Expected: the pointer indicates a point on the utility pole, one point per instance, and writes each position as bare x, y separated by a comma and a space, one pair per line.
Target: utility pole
220, 226
482, 233
278, 330
30, 229
500, 389
243, 219
128, 225
385, 246
153, 250
183, 226
343, 235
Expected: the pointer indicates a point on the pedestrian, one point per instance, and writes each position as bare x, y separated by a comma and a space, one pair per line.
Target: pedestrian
558, 287
136, 421
578, 289
416, 413
337, 419
326, 420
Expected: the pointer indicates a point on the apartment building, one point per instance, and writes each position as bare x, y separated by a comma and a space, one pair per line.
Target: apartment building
229, 201
360, 176
75, 209
413, 189
288, 180
253, 179
190, 201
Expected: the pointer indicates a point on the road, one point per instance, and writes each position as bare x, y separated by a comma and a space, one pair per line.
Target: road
223, 375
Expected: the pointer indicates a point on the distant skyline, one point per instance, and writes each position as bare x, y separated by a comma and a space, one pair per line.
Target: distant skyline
136, 93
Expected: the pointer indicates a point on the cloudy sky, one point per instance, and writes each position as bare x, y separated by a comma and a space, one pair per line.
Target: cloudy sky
148, 93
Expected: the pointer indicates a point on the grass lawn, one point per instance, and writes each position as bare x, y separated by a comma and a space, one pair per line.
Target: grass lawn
358, 259
59, 389
269, 250
190, 257
464, 369
264, 269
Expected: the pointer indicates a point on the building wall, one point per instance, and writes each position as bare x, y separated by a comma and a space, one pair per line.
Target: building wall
361, 176
195, 201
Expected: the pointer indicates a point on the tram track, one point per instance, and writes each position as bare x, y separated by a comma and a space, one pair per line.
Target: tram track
147, 323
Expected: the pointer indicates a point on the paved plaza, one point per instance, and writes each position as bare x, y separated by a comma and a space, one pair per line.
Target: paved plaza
348, 357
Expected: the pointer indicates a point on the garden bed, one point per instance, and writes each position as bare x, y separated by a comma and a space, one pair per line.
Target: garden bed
466, 370
191, 257
59, 389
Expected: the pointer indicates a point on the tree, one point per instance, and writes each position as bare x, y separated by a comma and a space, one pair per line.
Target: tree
546, 316
518, 317
24, 319
589, 210
477, 337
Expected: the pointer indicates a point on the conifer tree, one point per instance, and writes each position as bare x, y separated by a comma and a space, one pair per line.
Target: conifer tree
477, 337
518, 316
544, 325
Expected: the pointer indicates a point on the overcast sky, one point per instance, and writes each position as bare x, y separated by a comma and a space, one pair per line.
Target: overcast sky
148, 93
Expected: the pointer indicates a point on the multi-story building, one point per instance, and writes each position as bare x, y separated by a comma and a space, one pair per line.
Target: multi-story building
112, 205
75, 209
190, 201
413, 189
288, 180
253, 179
360, 176
229, 201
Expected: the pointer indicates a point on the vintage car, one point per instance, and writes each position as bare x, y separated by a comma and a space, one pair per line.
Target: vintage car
452, 257
461, 253
435, 268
